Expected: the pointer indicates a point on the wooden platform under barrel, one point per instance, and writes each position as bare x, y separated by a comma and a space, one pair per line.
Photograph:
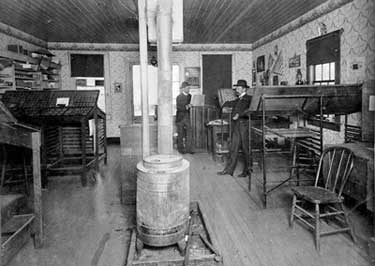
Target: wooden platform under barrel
202, 249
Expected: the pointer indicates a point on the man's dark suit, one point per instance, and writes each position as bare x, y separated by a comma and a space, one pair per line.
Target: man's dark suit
183, 123
240, 134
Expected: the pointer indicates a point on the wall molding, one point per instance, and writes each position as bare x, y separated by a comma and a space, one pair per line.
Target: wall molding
312, 15
93, 46
135, 47
213, 47
23, 36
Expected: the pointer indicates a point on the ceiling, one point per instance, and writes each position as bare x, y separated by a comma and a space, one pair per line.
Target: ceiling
115, 21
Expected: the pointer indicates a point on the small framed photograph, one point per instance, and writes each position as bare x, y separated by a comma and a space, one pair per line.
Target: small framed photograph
81, 82
254, 79
295, 61
117, 87
192, 75
260, 64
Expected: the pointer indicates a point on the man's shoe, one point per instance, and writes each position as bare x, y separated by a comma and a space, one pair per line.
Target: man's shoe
191, 152
182, 151
224, 172
243, 174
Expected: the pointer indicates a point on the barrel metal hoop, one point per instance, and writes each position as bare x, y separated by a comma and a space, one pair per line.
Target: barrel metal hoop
151, 231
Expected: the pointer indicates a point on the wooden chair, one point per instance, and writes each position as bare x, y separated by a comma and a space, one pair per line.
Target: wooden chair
324, 199
305, 156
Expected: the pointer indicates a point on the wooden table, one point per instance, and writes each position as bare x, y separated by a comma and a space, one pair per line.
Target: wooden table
270, 133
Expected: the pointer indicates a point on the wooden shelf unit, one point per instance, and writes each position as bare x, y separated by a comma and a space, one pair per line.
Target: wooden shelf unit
26, 73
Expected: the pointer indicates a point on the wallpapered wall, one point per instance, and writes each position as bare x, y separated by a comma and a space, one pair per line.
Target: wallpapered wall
118, 63
357, 19
6, 39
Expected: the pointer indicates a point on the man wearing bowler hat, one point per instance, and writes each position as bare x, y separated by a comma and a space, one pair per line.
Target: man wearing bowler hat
240, 130
184, 129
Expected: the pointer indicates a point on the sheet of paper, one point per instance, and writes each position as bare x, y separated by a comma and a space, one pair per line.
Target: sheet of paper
197, 100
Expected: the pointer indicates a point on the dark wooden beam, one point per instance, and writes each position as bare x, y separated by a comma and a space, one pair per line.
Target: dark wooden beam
37, 183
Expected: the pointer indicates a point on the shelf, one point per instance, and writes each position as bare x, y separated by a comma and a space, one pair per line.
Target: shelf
24, 78
25, 73
19, 57
26, 70
49, 73
27, 88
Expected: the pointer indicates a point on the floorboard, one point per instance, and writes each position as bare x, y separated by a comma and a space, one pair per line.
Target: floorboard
89, 226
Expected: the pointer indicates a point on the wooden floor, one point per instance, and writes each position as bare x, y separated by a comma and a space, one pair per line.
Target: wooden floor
89, 226
248, 234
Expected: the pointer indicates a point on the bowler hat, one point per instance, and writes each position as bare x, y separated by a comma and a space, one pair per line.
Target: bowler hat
241, 83
184, 84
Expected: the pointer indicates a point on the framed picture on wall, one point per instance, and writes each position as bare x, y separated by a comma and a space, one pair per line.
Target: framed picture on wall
192, 75
295, 61
117, 87
260, 64
254, 77
80, 82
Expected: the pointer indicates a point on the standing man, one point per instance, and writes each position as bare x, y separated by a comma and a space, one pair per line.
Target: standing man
184, 129
240, 130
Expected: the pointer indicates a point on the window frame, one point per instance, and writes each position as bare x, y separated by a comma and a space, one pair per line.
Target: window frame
335, 126
138, 119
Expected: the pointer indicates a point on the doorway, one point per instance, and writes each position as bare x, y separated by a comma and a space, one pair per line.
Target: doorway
216, 74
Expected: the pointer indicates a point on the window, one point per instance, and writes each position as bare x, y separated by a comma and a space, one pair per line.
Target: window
152, 88
87, 65
323, 64
323, 74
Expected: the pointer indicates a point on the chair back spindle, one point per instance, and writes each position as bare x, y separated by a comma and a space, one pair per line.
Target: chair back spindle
335, 166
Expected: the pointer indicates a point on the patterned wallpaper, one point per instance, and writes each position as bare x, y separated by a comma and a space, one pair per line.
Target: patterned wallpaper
7, 39
117, 63
357, 19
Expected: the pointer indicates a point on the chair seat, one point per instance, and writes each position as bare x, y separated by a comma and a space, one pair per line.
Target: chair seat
316, 194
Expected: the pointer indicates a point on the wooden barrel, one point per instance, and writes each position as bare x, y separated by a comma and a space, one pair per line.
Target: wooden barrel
162, 199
